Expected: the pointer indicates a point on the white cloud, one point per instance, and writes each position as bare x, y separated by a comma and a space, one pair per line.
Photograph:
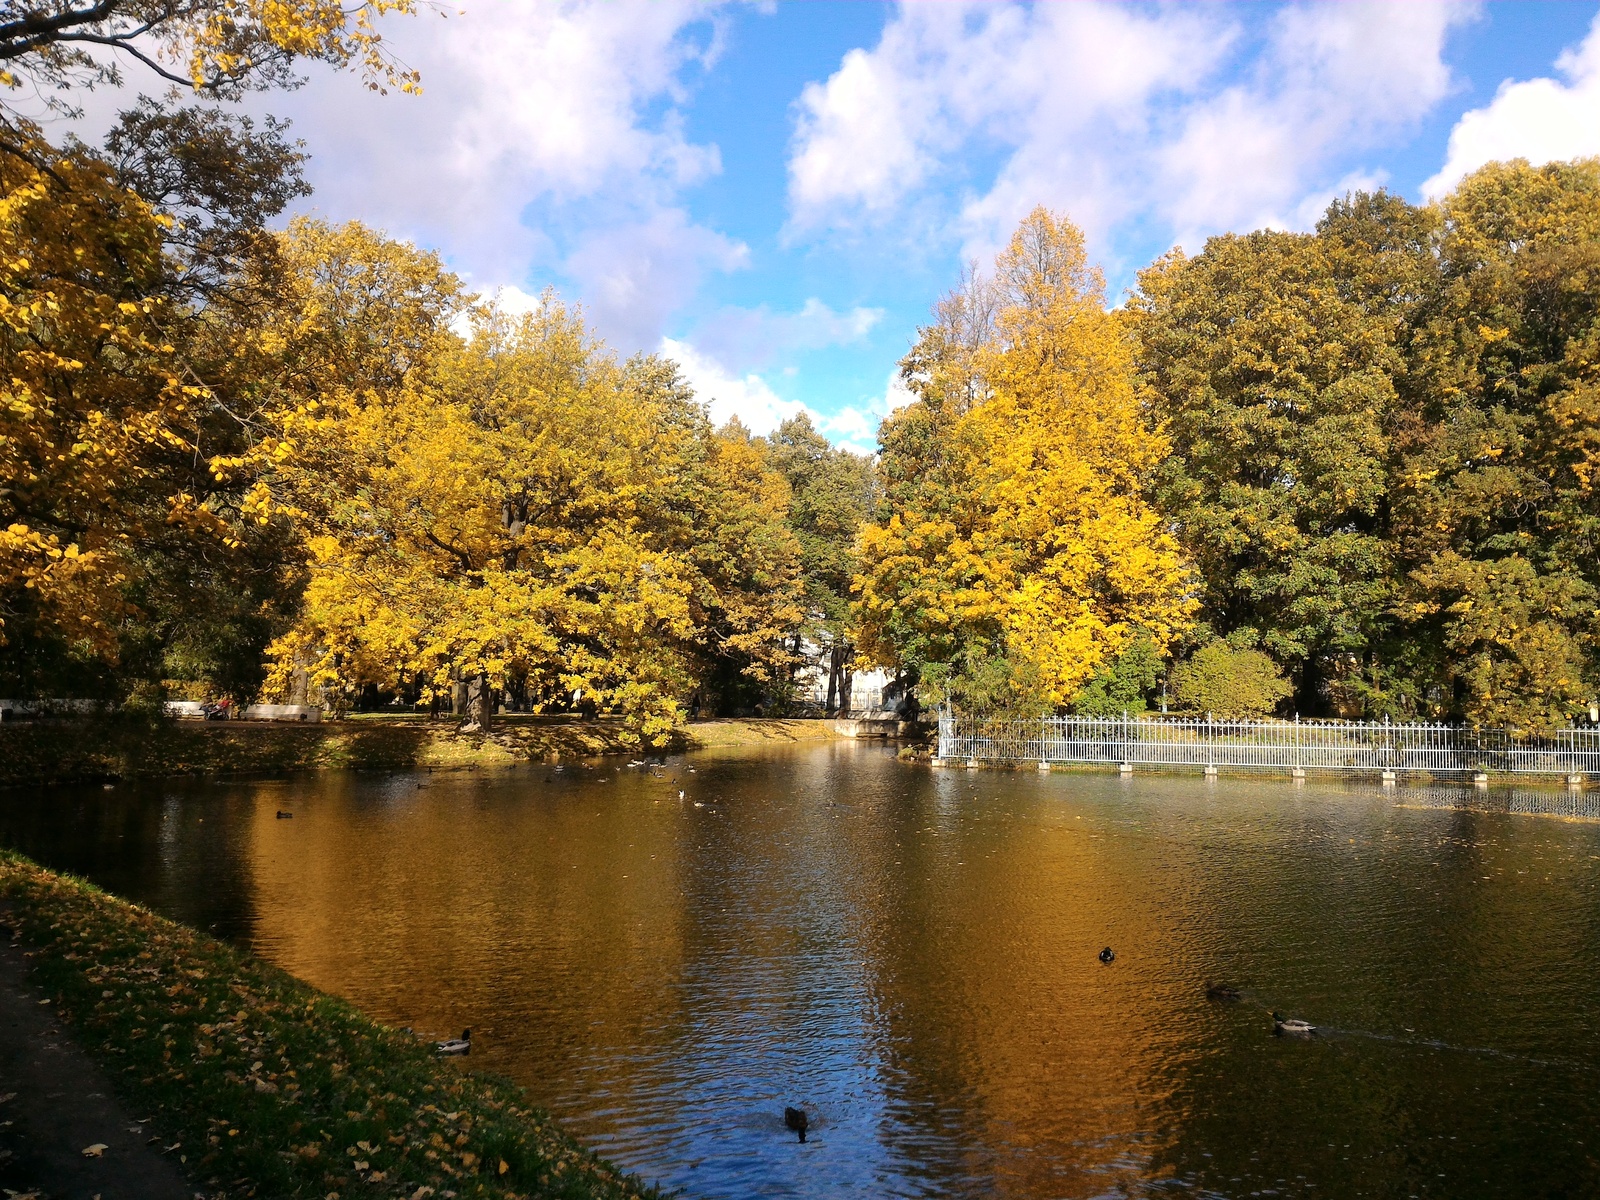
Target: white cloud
632, 277
575, 107
749, 398
1110, 112
752, 400
1331, 79
1541, 120
749, 338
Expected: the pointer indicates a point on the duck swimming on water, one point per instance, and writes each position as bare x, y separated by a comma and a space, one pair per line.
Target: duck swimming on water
1108, 956
451, 1046
796, 1119
1222, 992
1291, 1025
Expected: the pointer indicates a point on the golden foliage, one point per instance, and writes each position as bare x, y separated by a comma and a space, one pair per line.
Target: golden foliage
1017, 528
519, 511
93, 392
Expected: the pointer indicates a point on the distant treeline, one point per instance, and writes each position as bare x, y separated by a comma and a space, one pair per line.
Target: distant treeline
1365, 459
1349, 471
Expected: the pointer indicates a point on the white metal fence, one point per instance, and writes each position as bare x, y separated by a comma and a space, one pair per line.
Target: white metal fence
1272, 745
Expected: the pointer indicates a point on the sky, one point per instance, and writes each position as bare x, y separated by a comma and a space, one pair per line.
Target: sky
775, 194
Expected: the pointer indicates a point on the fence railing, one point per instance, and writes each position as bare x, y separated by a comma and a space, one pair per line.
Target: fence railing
1270, 745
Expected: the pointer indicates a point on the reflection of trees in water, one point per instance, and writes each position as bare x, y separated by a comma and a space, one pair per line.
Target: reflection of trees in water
1580, 803
911, 955
1012, 1055
179, 847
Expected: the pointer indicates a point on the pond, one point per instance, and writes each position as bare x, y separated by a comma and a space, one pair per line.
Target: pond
911, 956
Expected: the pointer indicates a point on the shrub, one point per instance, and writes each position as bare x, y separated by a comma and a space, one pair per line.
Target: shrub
1229, 682
1122, 684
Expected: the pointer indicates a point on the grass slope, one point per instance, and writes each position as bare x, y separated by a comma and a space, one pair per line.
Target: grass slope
264, 1086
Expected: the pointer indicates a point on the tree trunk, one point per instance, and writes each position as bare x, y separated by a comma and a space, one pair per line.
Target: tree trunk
1308, 696
480, 703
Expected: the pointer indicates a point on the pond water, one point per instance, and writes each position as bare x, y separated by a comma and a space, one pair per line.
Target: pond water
910, 955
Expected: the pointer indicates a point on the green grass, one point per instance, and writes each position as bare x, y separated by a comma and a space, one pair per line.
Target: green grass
267, 1087
78, 749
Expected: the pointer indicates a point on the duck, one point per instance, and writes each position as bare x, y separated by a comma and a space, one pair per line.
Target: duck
1108, 956
1226, 993
1293, 1025
682, 793
796, 1119
285, 816
460, 1045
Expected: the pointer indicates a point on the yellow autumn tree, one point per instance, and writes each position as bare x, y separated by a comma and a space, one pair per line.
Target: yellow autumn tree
112, 283
515, 514
94, 394
1017, 555
215, 46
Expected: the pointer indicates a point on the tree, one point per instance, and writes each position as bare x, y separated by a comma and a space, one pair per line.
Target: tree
1499, 518
1014, 529
831, 496
1277, 390
1385, 444
1122, 685
126, 558
223, 47
518, 514
1227, 681
95, 394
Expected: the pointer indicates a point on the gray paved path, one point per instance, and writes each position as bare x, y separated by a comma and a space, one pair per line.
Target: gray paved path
55, 1102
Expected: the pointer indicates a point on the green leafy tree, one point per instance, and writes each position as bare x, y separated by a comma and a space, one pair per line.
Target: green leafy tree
1228, 681
832, 493
1276, 387
1124, 684
1497, 510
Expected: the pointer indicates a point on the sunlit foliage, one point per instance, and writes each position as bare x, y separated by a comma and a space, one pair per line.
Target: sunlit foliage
1015, 552
518, 512
1386, 436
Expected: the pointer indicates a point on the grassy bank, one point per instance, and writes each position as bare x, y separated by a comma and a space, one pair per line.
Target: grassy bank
264, 1086
89, 749
64, 751
758, 731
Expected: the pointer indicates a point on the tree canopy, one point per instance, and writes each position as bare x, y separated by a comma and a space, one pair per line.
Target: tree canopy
1385, 439
1344, 472
1015, 551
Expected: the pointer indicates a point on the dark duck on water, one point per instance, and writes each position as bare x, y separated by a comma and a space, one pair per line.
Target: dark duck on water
1108, 956
795, 1119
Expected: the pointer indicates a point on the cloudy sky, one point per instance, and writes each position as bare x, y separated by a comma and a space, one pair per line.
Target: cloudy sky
774, 194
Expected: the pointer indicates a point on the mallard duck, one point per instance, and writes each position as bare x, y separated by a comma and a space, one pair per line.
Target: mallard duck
1108, 956
460, 1045
796, 1119
1223, 992
1294, 1025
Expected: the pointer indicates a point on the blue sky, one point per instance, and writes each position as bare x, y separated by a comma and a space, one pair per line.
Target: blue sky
775, 194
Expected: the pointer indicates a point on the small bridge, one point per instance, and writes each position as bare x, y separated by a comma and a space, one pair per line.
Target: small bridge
1294, 746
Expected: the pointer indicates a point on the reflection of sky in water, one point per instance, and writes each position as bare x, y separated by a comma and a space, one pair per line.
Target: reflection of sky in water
911, 956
